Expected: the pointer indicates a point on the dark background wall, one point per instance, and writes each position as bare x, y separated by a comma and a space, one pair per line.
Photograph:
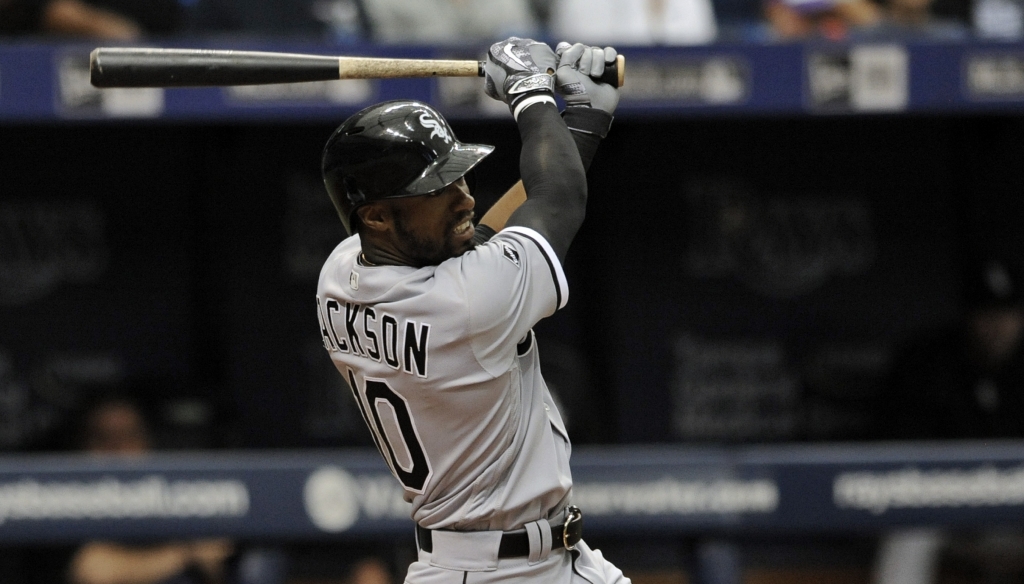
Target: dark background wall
736, 280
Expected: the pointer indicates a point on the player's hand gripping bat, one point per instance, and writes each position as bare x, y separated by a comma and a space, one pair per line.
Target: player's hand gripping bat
140, 67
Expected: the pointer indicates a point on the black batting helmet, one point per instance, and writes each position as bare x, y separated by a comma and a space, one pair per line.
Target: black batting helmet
399, 148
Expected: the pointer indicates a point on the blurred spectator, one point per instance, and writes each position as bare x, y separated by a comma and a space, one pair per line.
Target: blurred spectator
962, 381
309, 19
639, 22
920, 18
998, 19
116, 426
122, 20
385, 21
829, 19
112, 422
369, 571
448, 21
966, 380
346, 19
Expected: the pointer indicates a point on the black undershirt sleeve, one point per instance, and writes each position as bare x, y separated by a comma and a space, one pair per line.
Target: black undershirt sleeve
554, 178
588, 127
482, 234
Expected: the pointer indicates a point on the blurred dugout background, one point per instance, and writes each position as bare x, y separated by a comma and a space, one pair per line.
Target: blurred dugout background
751, 279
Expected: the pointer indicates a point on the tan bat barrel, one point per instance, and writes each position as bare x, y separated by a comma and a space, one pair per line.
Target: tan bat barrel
378, 68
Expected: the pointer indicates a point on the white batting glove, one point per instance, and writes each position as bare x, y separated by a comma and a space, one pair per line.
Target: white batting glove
518, 72
578, 68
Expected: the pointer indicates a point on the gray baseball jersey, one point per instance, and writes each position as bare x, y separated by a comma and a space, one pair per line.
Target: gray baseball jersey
444, 366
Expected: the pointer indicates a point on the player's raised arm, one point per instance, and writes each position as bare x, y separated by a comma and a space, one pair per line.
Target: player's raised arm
495, 218
589, 103
517, 72
588, 116
550, 176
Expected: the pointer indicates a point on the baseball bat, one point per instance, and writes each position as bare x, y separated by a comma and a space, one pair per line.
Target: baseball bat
142, 67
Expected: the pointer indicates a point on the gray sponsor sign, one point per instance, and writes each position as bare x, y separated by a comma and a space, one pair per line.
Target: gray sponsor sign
318, 494
864, 78
708, 80
994, 76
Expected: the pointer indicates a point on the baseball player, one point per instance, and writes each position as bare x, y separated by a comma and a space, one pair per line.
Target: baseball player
430, 319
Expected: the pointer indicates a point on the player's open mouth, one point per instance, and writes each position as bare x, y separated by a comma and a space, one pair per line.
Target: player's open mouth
463, 227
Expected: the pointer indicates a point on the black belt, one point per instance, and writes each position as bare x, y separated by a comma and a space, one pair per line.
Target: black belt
515, 544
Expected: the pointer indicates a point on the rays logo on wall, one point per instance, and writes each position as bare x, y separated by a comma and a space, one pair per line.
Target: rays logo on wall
783, 247
43, 245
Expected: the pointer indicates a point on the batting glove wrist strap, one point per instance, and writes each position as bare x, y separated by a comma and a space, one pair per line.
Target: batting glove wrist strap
528, 101
524, 90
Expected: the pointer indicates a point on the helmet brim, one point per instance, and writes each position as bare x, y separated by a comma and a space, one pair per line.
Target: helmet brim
446, 169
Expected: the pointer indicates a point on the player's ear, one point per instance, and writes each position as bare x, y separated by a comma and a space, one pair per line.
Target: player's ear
374, 217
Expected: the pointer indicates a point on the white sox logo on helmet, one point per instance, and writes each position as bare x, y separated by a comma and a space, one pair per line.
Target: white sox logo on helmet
437, 128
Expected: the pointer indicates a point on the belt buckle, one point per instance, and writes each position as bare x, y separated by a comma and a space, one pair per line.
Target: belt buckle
572, 529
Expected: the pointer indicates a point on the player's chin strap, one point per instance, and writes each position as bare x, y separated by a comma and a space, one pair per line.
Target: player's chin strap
534, 541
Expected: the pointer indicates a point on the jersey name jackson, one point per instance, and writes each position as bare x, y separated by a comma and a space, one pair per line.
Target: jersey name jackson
365, 332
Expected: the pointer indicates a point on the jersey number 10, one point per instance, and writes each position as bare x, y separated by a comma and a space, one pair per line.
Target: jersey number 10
414, 468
